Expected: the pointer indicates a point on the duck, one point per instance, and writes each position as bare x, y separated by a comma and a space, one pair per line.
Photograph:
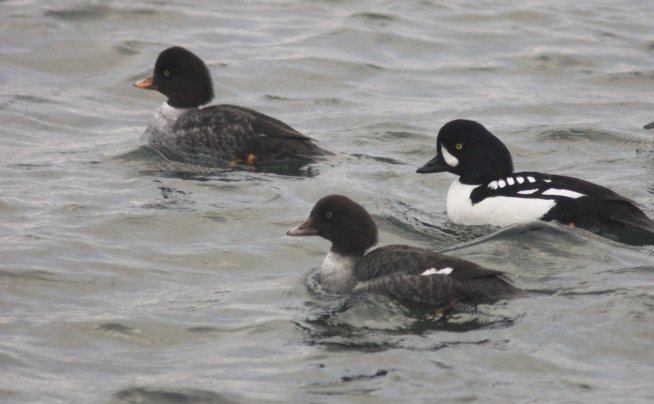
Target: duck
489, 192
410, 275
182, 128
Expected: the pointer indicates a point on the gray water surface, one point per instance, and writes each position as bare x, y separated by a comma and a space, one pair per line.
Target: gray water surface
128, 278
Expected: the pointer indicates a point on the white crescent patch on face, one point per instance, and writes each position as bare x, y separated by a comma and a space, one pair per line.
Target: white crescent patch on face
449, 158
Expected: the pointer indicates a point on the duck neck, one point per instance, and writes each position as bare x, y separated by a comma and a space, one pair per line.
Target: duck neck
165, 117
337, 271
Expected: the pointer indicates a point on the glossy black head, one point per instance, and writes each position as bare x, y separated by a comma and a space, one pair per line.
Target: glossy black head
343, 222
469, 150
182, 77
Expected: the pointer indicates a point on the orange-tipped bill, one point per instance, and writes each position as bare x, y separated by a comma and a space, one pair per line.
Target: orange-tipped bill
146, 84
304, 229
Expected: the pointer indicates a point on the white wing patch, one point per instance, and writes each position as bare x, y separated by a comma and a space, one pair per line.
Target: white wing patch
492, 185
520, 180
510, 181
531, 179
527, 191
563, 192
434, 271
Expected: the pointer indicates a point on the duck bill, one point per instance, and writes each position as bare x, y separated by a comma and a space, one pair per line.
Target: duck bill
146, 84
304, 229
435, 165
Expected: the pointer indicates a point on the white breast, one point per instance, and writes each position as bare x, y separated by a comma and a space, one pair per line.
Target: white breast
163, 120
496, 211
337, 272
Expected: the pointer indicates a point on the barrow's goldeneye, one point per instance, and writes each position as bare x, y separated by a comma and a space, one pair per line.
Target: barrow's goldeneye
488, 191
407, 274
218, 134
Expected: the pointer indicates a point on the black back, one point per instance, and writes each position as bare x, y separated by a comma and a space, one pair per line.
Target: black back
230, 132
414, 261
397, 271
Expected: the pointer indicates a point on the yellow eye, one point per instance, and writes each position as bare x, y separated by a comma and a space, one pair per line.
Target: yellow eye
459, 146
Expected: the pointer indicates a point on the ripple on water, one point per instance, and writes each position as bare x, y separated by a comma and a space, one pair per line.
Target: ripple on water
187, 167
170, 395
375, 324
92, 12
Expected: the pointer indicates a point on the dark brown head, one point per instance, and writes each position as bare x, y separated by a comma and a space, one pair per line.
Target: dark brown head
343, 222
182, 77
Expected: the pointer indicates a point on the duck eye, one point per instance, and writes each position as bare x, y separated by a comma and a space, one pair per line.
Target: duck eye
329, 215
459, 146
166, 73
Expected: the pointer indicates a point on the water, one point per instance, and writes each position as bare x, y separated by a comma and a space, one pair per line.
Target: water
127, 278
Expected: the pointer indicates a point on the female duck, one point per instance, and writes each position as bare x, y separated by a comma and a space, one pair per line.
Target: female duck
216, 135
408, 274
